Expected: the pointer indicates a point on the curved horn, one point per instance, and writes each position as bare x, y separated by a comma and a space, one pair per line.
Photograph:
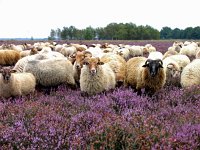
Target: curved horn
160, 61
148, 61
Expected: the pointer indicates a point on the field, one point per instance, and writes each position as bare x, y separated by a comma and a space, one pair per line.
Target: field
116, 119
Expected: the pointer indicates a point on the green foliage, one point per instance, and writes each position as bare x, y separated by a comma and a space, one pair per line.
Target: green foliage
113, 31
188, 33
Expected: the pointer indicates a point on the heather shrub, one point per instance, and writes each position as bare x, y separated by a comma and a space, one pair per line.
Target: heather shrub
118, 119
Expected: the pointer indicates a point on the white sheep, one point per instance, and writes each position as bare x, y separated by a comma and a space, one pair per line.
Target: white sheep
143, 73
16, 84
51, 72
135, 51
96, 77
155, 55
182, 60
191, 74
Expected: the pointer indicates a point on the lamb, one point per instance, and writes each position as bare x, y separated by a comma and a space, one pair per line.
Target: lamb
155, 55
9, 57
51, 72
190, 75
96, 77
145, 73
16, 84
118, 65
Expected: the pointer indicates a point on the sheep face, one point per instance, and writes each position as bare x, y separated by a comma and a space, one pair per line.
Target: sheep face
173, 71
92, 64
153, 66
79, 60
6, 73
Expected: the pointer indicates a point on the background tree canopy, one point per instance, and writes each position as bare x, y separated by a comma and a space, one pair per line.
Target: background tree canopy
121, 31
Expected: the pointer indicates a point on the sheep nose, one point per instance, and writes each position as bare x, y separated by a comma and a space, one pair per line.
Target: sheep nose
93, 71
78, 66
153, 74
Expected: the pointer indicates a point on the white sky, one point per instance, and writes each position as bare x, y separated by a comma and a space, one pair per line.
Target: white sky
26, 18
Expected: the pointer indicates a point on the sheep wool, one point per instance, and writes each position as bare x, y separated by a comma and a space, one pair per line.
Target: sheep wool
16, 84
96, 77
138, 75
51, 72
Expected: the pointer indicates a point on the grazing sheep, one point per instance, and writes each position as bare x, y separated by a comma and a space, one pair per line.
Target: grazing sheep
15, 84
155, 55
51, 72
96, 77
145, 73
191, 74
9, 57
118, 65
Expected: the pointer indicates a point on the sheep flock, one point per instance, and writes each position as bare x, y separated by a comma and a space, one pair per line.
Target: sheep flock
96, 68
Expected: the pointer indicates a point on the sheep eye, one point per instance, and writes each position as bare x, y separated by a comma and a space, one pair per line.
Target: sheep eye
86, 63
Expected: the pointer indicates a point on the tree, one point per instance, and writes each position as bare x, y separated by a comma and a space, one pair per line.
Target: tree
52, 35
166, 33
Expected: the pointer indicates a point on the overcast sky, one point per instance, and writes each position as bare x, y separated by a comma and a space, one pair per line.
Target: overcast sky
35, 18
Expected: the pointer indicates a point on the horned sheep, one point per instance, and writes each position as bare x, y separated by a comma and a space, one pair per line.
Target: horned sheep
143, 73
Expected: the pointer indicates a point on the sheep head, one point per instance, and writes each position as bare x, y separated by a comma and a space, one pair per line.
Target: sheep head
174, 70
92, 64
79, 58
153, 66
6, 73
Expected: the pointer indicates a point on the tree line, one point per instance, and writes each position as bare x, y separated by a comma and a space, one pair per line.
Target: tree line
123, 31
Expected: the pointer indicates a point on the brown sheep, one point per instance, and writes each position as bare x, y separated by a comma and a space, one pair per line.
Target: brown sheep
78, 63
143, 73
9, 57
118, 65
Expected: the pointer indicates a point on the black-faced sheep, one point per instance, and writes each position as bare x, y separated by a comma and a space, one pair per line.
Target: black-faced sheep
143, 73
96, 77
16, 84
